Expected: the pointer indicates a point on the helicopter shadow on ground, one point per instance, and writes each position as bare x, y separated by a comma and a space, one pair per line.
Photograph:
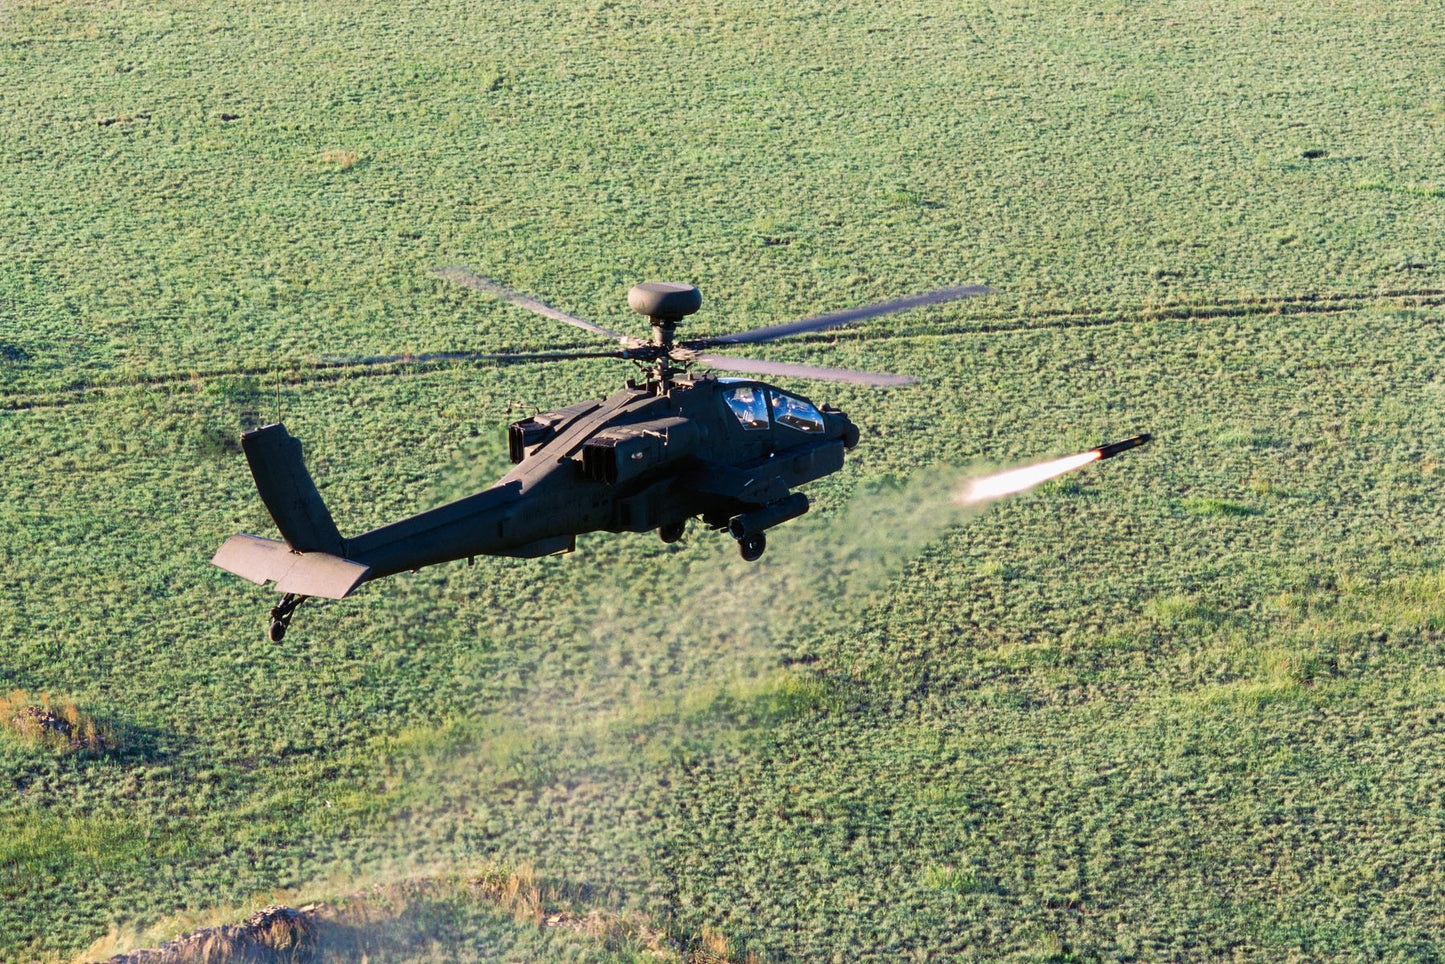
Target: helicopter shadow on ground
138, 744
1003, 322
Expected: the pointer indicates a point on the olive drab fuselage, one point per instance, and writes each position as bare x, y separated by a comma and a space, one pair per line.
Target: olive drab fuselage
637, 461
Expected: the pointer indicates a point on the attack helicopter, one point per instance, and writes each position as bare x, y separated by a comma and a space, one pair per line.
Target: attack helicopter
674, 445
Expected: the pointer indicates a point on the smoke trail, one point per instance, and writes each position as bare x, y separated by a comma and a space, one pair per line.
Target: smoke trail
718, 619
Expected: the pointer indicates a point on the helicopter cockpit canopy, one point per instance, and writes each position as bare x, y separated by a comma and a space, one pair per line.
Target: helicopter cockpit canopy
795, 413
750, 403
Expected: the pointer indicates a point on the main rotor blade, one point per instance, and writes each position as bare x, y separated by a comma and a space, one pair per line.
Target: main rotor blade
836, 318
551, 355
341, 361
789, 369
336, 362
470, 279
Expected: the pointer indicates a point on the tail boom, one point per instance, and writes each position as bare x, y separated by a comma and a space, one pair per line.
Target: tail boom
316, 561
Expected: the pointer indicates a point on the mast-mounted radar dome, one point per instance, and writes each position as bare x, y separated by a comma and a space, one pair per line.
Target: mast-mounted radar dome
664, 299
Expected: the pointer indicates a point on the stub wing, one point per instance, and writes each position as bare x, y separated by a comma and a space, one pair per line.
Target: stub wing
754, 488
303, 573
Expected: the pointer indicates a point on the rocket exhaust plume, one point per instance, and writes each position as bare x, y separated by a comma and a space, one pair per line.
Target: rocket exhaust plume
1020, 480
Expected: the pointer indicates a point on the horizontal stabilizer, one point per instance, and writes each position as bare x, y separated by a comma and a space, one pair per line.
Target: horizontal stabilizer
304, 573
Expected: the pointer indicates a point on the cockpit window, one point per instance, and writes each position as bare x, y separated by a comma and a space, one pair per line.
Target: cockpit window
795, 413
748, 405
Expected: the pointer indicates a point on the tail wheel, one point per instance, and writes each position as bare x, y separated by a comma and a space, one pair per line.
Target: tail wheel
281, 615
672, 531
751, 547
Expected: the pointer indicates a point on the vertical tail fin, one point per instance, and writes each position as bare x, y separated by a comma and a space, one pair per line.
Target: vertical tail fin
289, 493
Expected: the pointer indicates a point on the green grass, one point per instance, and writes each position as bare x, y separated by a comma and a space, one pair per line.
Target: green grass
1184, 704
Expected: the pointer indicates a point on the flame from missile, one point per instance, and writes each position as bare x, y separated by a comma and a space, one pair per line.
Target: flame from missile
1020, 480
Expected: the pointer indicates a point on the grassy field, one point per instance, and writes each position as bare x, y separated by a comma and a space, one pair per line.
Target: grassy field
1185, 705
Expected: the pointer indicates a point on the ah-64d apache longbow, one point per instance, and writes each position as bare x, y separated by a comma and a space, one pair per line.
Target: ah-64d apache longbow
675, 446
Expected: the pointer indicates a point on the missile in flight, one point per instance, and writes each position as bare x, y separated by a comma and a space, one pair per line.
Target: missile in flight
1021, 480
1114, 448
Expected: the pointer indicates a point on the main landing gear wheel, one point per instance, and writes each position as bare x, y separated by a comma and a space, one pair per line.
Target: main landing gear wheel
672, 531
751, 547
